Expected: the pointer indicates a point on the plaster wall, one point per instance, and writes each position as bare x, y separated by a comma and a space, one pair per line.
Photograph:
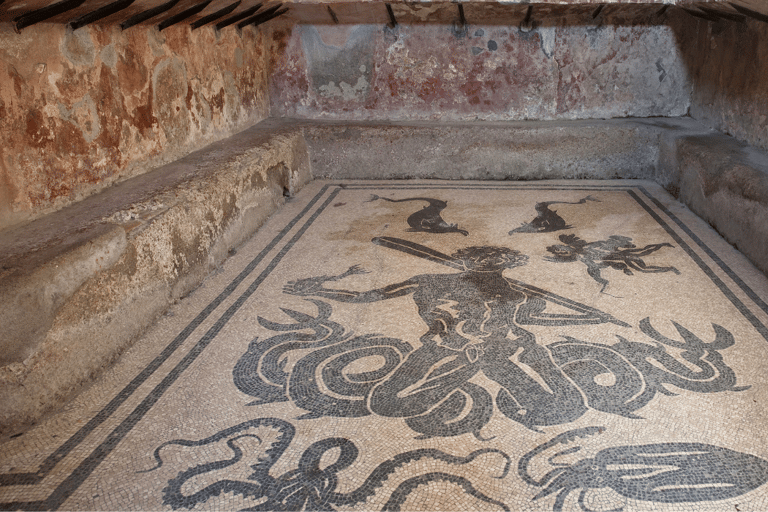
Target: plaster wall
728, 65
82, 110
561, 70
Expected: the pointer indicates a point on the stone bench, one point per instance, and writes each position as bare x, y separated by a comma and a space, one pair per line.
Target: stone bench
77, 286
725, 183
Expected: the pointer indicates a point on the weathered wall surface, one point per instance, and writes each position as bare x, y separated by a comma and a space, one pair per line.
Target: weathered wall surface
82, 110
728, 64
436, 72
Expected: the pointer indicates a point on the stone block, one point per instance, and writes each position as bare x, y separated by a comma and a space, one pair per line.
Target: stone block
725, 182
496, 151
78, 286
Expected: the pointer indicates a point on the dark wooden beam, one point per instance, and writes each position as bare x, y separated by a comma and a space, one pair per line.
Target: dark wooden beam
263, 14
730, 16
270, 17
176, 18
700, 14
749, 12
392, 20
215, 15
149, 13
100, 13
38, 15
333, 15
237, 17
462, 18
527, 24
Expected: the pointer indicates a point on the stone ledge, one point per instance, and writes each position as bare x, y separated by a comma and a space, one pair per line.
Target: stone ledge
528, 150
77, 286
725, 183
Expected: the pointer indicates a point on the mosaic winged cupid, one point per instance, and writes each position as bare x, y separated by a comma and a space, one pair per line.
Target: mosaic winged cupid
474, 320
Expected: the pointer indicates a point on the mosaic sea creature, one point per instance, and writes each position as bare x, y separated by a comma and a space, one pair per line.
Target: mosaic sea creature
617, 252
640, 370
428, 219
261, 372
430, 386
659, 472
474, 323
312, 485
548, 220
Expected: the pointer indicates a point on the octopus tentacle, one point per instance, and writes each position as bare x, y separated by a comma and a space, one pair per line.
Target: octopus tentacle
379, 475
564, 438
404, 489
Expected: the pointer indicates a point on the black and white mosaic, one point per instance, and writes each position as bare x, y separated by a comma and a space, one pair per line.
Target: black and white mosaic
658, 472
617, 252
430, 386
428, 219
394, 346
547, 219
313, 485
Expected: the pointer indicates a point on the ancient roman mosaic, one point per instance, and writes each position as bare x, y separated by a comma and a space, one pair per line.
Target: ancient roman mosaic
435, 346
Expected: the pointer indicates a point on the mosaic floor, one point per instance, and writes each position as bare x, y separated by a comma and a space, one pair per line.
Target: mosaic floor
435, 346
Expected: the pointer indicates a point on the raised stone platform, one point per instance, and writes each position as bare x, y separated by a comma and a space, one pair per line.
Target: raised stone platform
726, 183
435, 345
98, 273
77, 286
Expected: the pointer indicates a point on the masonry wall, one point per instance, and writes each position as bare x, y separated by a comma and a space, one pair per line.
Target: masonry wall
728, 65
564, 68
82, 110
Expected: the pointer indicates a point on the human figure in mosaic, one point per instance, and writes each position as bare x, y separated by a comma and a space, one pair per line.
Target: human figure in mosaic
474, 322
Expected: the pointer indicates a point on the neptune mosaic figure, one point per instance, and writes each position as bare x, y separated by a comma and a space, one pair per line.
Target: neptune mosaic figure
475, 323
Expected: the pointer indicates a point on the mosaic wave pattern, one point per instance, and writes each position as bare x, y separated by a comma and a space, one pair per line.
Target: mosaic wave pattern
574, 345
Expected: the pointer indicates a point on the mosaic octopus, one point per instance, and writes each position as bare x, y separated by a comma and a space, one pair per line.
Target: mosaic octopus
309, 487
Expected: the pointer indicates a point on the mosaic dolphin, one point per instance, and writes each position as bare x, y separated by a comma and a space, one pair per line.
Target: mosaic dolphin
548, 220
428, 219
